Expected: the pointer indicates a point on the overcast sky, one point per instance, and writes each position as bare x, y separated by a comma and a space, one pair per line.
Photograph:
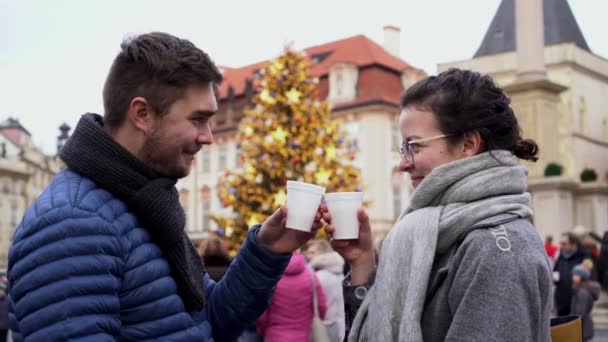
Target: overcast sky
54, 55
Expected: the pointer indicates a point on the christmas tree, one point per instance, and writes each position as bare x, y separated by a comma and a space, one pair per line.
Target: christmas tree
287, 135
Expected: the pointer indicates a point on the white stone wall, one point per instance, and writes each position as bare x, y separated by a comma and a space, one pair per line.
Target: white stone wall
592, 208
583, 133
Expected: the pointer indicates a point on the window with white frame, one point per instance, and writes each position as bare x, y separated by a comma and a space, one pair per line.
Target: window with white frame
237, 157
206, 161
343, 79
206, 207
14, 214
397, 203
222, 157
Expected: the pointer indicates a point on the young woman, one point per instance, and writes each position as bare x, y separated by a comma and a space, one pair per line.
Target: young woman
463, 262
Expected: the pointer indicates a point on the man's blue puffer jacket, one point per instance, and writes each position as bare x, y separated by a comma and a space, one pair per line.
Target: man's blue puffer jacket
82, 268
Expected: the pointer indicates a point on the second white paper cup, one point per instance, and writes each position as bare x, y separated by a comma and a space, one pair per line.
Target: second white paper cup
343, 209
303, 199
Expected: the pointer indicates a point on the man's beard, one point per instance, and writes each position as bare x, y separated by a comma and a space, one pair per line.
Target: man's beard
162, 161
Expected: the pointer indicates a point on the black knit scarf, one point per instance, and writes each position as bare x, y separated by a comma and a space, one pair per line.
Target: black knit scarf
153, 199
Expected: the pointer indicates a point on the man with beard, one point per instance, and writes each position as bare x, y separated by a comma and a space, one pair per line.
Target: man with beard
102, 254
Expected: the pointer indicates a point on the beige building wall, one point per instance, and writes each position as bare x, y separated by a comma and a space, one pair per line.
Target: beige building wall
13, 202
579, 130
583, 113
23, 177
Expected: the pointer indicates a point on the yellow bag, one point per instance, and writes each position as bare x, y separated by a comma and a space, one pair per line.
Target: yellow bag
567, 329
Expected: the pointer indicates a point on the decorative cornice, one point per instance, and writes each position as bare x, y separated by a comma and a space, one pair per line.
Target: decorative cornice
567, 184
592, 188
539, 84
551, 183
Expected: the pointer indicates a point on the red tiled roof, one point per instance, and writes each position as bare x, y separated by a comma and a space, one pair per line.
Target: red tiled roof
236, 78
376, 84
12, 134
358, 50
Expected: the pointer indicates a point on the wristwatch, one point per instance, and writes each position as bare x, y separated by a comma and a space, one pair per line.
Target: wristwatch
360, 292
354, 294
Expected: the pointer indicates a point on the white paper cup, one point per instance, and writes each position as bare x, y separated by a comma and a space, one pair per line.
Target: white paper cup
343, 209
303, 200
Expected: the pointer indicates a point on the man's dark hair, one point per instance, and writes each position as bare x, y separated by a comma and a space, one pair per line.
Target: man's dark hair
465, 101
158, 67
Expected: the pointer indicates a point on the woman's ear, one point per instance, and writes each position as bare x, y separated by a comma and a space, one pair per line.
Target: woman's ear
472, 144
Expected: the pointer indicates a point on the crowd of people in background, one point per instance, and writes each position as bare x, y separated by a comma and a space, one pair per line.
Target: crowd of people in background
580, 264
580, 269
317, 268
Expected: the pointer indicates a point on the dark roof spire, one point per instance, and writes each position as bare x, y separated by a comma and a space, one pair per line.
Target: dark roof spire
560, 27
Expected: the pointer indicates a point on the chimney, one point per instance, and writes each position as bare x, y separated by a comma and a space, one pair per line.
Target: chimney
530, 40
392, 38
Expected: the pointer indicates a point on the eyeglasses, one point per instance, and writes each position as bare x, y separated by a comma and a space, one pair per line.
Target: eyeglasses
406, 149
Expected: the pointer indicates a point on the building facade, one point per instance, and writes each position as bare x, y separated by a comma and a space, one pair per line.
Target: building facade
565, 110
363, 82
24, 173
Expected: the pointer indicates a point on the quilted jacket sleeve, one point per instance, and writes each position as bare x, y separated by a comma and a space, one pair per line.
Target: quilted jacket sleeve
245, 292
65, 267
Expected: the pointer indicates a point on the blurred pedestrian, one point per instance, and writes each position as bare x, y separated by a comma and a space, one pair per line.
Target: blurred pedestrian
602, 264
584, 293
4, 322
215, 256
551, 249
329, 266
289, 316
570, 255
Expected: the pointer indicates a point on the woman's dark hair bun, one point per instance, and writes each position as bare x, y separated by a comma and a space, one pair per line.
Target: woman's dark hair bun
526, 149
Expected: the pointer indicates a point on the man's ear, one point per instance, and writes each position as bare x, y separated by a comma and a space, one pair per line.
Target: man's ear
140, 115
472, 144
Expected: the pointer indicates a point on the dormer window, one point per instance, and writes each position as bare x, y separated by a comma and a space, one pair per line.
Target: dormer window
319, 57
343, 79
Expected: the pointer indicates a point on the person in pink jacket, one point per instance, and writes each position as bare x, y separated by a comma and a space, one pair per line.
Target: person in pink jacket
289, 316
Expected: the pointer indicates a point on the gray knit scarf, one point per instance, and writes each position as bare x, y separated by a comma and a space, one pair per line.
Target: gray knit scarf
443, 209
